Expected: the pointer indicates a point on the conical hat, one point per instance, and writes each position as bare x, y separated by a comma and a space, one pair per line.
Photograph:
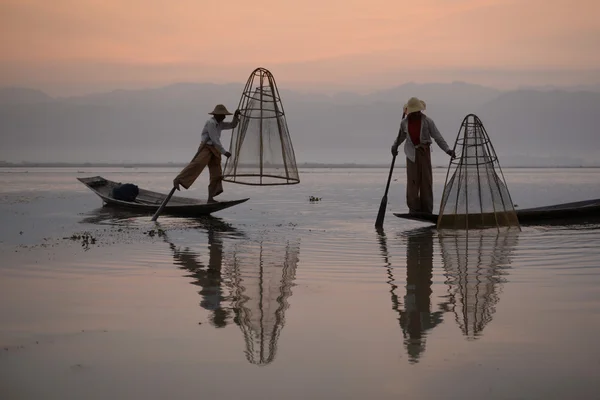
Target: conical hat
404, 108
220, 109
413, 105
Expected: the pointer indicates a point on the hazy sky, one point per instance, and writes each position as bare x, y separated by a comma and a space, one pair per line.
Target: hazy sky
77, 45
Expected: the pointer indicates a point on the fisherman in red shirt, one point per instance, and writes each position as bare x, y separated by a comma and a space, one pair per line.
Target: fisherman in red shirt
419, 129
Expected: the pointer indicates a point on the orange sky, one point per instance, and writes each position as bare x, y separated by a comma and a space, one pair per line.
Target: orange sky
337, 41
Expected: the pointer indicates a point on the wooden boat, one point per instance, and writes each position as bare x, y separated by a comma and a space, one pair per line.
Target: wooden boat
565, 213
147, 202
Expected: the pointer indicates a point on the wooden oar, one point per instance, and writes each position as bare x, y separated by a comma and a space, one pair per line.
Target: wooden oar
164, 203
383, 205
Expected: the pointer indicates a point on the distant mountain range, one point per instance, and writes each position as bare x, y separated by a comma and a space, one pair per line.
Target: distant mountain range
529, 126
16, 95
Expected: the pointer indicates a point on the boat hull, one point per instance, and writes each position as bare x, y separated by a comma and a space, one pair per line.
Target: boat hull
148, 202
563, 214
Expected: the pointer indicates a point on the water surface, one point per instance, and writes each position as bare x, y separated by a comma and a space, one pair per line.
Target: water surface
285, 298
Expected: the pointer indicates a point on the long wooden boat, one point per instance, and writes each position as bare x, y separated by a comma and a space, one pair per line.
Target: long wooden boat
565, 213
147, 202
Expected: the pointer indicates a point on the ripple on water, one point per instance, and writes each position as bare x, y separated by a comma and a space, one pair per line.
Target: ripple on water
565, 248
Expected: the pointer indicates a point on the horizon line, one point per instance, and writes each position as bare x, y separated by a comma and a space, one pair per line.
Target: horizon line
30, 164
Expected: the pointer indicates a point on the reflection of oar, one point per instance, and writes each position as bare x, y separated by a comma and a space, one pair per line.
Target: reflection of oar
164, 203
383, 244
396, 305
383, 205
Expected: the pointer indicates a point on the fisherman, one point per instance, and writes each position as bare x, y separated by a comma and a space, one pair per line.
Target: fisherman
418, 130
209, 153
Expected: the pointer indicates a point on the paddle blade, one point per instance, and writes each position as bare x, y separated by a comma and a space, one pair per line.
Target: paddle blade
381, 214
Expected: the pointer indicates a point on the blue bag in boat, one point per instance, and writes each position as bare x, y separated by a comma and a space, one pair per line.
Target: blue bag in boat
125, 192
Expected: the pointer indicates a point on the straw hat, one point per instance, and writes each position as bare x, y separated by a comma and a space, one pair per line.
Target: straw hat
414, 105
220, 109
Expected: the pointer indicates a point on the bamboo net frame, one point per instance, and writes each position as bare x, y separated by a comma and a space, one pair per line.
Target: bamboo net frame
475, 195
262, 151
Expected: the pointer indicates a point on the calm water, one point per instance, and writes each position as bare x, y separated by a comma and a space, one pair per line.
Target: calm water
287, 299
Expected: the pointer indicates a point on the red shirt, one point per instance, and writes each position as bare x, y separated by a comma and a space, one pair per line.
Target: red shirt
414, 130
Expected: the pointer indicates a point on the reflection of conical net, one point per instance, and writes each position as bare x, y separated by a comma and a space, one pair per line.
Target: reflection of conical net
475, 196
474, 264
261, 147
261, 281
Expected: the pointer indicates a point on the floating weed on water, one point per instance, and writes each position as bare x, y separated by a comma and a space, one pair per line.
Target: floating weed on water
156, 232
86, 239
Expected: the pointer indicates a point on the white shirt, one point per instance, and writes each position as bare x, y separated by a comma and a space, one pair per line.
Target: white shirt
428, 131
211, 133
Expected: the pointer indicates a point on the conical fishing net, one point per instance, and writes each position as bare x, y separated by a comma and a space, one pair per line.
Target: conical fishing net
262, 152
474, 194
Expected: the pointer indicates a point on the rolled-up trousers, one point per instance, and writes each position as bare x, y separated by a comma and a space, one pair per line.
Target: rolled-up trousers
419, 182
207, 155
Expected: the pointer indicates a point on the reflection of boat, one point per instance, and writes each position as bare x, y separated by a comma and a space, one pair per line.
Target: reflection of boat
261, 280
560, 213
415, 314
123, 217
103, 215
148, 202
475, 263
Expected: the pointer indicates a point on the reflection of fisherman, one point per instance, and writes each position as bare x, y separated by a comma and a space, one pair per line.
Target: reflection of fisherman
258, 283
209, 278
417, 318
209, 153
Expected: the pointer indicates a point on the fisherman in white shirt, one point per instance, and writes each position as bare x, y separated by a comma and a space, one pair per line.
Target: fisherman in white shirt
418, 130
209, 153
